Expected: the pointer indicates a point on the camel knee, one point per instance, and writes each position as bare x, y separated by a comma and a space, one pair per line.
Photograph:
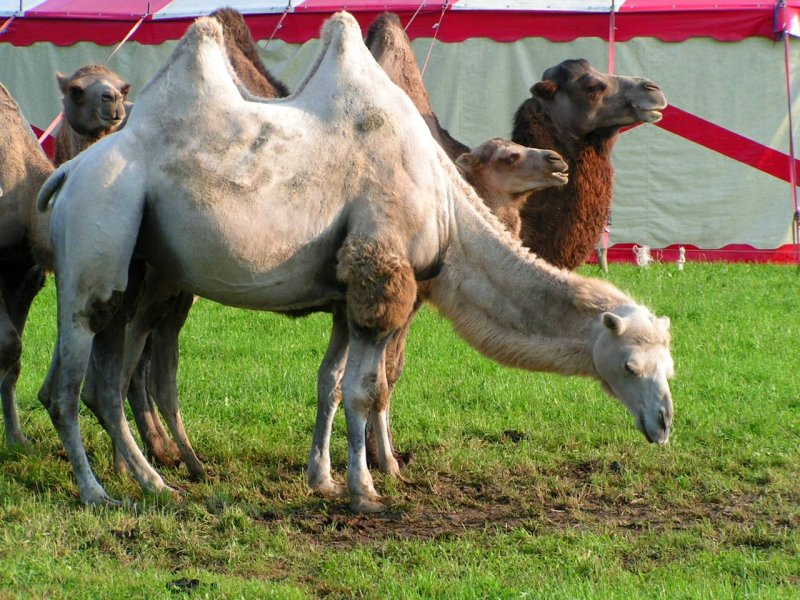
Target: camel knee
381, 288
369, 394
100, 312
10, 350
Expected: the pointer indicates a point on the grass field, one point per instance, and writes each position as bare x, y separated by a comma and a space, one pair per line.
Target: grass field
523, 486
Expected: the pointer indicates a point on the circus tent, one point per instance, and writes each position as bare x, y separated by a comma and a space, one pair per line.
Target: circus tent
713, 176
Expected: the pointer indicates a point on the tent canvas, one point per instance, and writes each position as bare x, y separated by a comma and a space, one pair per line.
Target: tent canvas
713, 176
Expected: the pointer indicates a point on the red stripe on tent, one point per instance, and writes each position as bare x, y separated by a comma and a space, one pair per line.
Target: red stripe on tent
744, 253
48, 144
728, 23
92, 9
728, 143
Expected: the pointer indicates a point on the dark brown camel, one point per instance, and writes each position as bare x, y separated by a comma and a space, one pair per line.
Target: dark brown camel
95, 104
578, 111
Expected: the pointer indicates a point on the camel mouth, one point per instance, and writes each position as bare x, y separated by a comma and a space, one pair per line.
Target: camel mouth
649, 115
660, 437
561, 177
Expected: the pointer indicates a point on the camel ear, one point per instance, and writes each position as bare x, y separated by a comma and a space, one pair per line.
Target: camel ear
665, 322
546, 90
125, 89
615, 323
63, 82
466, 162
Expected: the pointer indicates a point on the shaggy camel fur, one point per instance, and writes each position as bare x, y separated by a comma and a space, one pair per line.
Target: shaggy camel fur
95, 104
578, 111
355, 229
24, 247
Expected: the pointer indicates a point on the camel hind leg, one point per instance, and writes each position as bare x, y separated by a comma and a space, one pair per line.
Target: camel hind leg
92, 268
10, 352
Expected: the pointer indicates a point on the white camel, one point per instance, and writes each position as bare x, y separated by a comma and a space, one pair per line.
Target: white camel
239, 205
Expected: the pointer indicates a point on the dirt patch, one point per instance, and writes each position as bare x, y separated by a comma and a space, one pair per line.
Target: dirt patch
447, 508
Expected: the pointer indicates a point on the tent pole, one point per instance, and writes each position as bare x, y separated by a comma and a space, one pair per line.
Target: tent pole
602, 251
792, 171
438, 24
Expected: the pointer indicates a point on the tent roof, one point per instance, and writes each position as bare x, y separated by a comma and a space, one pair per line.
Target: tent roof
64, 22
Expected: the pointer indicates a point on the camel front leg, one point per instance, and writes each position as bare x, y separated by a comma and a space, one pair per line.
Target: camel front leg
59, 395
157, 443
20, 293
380, 443
329, 395
105, 400
364, 389
10, 352
152, 338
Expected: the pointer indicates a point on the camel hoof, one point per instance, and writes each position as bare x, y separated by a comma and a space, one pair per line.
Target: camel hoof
16, 440
330, 489
404, 459
101, 500
163, 459
120, 466
197, 472
364, 505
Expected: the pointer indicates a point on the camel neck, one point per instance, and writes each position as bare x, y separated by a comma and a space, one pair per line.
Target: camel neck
511, 305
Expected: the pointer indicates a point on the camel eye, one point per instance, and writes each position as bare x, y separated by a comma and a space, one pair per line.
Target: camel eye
596, 88
630, 369
107, 97
513, 158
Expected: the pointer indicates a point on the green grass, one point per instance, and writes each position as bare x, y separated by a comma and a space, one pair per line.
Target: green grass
524, 485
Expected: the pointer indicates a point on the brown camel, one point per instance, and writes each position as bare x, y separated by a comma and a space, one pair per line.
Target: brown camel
503, 178
389, 44
24, 247
95, 104
578, 111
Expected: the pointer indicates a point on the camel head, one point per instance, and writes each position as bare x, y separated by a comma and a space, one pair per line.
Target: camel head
507, 168
632, 358
95, 100
583, 102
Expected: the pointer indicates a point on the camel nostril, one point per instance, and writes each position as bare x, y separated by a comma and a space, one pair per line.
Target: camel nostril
663, 419
651, 87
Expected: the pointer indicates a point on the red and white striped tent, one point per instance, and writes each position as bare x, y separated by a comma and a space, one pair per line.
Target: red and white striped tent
714, 175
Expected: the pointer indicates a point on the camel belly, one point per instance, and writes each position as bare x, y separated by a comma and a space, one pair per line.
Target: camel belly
260, 263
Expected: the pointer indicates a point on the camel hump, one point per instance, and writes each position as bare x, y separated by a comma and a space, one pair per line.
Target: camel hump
340, 29
206, 28
51, 187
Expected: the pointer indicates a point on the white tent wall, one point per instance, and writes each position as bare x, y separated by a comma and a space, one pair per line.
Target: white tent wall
669, 190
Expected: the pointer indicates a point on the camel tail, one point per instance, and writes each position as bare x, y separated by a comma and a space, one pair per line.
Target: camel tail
50, 188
